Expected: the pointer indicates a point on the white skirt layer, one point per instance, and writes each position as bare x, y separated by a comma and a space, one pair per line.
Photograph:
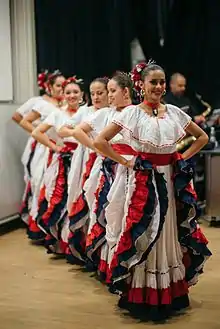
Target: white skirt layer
25, 157
90, 188
119, 199
38, 167
65, 230
91, 184
75, 175
27, 151
50, 176
164, 263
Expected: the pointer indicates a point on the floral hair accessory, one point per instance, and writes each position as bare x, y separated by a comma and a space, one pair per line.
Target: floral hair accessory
136, 74
42, 80
73, 79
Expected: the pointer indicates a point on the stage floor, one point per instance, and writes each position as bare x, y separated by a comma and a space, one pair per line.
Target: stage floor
39, 292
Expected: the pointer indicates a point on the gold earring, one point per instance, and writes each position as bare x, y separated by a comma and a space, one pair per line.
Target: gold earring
142, 92
164, 93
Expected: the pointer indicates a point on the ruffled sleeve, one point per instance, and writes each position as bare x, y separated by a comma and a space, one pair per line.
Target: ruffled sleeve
73, 121
27, 107
70, 122
97, 121
159, 132
84, 111
52, 119
127, 119
180, 116
44, 108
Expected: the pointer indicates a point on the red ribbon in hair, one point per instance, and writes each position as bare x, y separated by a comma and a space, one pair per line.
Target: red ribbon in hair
136, 74
42, 80
71, 80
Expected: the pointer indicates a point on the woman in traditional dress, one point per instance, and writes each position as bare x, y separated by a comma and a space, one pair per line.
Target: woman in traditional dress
52, 101
25, 108
27, 155
160, 250
79, 173
53, 197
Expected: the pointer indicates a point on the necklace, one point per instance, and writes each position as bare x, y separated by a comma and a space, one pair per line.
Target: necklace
153, 106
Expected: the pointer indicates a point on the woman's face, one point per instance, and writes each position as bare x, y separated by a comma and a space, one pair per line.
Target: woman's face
154, 86
99, 95
56, 89
116, 95
73, 95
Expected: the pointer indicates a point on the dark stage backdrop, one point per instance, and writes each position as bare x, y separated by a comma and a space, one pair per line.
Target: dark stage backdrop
92, 38
86, 38
192, 45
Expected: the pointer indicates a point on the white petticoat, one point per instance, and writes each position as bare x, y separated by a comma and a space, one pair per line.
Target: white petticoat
75, 176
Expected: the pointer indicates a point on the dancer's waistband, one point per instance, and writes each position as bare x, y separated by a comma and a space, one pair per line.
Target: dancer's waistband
154, 158
71, 145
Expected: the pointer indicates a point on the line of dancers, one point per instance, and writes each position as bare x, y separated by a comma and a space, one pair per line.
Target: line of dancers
105, 187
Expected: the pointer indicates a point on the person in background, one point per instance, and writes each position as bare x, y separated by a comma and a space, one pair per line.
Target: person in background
176, 96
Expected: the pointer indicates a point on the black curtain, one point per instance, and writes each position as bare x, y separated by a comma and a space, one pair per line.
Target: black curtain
145, 21
92, 38
149, 19
189, 30
86, 38
192, 45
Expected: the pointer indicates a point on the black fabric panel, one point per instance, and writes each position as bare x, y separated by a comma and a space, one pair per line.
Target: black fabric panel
92, 38
87, 38
192, 46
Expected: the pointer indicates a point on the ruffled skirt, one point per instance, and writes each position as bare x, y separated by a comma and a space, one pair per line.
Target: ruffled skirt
37, 168
156, 248
52, 214
26, 160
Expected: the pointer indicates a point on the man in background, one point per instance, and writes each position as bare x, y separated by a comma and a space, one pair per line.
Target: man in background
176, 96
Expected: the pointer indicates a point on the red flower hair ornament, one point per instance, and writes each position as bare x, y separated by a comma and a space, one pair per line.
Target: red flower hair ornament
136, 75
42, 80
73, 79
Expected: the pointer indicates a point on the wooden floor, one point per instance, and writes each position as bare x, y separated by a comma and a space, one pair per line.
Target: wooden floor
39, 292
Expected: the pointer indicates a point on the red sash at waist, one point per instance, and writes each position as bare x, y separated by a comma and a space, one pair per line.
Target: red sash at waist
159, 159
33, 145
71, 145
154, 158
124, 149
